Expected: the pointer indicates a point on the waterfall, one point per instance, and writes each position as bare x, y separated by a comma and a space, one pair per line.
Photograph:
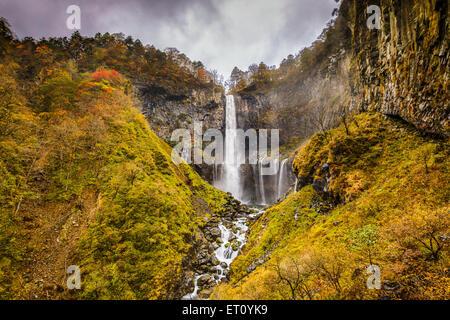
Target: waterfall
282, 178
267, 188
229, 180
262, 191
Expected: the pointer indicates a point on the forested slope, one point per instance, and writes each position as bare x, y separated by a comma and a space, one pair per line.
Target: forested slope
84, 181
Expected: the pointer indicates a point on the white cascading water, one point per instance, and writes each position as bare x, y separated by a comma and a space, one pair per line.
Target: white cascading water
282, 178
262, 190
225, 252
229, 180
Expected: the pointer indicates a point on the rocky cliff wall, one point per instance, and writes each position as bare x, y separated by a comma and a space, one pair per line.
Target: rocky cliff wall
399, 70
167, 112
402, 69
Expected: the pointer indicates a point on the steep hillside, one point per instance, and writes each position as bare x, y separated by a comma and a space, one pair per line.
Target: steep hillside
403, 68
166, 112
85, 181
375, 195
374, 190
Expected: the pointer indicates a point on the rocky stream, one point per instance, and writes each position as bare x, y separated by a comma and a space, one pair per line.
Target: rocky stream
223, 236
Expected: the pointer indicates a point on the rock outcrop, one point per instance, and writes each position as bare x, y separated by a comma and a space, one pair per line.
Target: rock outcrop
167, 112
402, 69
399, 70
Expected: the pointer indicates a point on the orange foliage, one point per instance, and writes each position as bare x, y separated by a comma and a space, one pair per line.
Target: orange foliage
201, 74
111, 75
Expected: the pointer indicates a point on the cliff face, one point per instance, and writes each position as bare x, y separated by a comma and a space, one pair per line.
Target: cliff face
167, 112
402, 69
399, 70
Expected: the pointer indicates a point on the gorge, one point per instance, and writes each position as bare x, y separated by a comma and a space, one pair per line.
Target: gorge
233, 228
361, 177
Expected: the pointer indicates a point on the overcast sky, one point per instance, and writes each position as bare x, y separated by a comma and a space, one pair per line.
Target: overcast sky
220, 33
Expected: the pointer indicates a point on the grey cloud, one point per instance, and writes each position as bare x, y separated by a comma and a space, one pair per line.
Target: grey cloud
222, 33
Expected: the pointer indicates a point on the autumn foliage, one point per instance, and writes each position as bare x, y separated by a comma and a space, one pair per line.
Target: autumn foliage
83, 178
385, 206
111, 75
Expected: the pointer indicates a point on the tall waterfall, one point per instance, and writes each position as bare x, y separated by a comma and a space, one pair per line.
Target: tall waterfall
229, 180
248, 185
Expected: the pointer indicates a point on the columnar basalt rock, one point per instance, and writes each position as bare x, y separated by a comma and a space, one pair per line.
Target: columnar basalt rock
402, 69
399, 70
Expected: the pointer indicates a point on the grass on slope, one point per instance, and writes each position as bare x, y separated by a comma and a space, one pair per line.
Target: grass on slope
389, 191
86, 182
